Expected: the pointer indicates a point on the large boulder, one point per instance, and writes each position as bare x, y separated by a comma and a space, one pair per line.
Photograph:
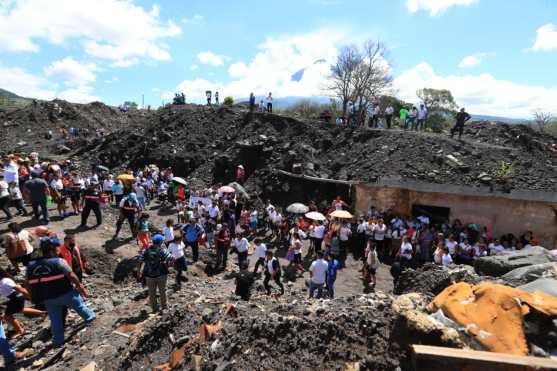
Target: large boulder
546, 285
524, 275
431, 279
498, 265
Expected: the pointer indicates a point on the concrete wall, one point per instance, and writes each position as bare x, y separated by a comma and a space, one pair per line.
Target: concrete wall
502, 215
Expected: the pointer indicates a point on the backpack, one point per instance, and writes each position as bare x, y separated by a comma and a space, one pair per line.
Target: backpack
153, 264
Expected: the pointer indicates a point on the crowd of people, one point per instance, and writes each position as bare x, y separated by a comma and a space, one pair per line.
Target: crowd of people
216, 221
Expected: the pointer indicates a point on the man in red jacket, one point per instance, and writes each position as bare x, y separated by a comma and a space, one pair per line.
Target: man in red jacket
71, 254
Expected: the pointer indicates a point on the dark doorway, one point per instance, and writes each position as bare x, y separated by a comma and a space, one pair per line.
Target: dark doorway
436, 214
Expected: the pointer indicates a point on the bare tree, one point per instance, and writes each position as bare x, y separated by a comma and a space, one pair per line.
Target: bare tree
360, 76
342, 75
542, 119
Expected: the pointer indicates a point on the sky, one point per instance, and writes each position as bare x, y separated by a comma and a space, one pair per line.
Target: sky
497, 57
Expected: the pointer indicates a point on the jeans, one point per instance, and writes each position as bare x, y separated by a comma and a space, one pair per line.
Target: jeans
259, 262
131, 221
222, 256
316, 286
55, 307
7, 350
194, 249
388, 119
331, 288
459, 128
154, 284
44, 209
242, 257
421, 124
4, 205
19, 206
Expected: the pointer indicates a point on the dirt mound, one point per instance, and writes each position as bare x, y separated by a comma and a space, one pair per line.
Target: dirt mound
207, 143
273, 335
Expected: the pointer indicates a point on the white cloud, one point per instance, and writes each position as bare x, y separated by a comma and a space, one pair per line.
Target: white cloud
80, 94
237, 69
24, 84
546, 38
272, 68
116, 30
72, 72
469, 61
28, 85
435, 7
480, 94
210, 58
155, 90
193, 67
197, 18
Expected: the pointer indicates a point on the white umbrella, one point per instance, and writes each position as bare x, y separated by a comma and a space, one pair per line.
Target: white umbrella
179, 180
297, 208
341, 214
314, 215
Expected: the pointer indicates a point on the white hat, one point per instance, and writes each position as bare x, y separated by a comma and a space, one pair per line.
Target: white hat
241, 166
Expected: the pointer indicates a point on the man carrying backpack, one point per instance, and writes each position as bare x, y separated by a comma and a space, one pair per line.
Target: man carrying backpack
128, 208
154, 266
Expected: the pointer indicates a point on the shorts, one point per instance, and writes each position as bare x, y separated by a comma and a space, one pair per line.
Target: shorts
75, 196
298, 258
15, 305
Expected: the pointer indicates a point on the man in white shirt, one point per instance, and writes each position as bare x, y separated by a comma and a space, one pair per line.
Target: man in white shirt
176, 249
213, 211
270, 103
318, 275
318, 233
389, 116
260, 251
422, 114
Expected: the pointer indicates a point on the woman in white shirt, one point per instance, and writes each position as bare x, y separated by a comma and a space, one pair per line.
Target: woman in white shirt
379, 232
58, 196
446, 259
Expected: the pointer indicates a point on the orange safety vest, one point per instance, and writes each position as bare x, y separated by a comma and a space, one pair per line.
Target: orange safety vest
66, 254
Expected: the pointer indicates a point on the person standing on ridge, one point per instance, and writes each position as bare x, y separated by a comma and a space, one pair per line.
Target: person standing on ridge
251, 102
217, 98
403, 114
461, 118
270, 103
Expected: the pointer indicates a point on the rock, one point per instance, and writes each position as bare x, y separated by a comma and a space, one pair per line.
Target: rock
432, 278
62, 149
524, 275
545, 285
91, 366
500, 264
297, 168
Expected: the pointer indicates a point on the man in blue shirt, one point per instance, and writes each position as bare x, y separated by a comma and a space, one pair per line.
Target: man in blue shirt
191, 233
331, 275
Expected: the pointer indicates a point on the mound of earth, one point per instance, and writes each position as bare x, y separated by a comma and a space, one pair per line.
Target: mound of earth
205, 144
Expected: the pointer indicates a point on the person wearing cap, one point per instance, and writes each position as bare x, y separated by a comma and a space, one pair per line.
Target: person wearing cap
53, 283
191, 233
37, 189
222, 240
154, 267
91, 202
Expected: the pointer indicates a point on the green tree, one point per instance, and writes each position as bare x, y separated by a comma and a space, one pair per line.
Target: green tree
441, 107
228, 101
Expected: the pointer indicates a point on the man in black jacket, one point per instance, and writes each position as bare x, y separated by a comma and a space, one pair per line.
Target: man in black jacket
461, 118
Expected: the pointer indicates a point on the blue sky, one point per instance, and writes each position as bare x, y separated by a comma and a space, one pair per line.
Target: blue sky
497, 56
